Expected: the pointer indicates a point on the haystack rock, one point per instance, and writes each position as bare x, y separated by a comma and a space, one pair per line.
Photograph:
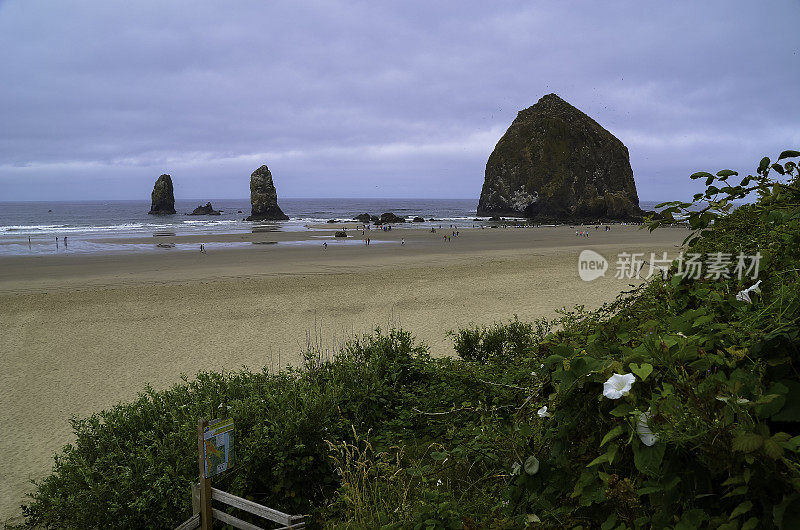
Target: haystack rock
556, 164
163, 197
264, 197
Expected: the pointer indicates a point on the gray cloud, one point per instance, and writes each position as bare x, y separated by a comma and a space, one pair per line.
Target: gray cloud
376, 99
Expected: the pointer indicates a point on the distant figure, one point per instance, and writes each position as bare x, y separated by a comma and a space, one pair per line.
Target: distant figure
202, 248
65, 241
402, 241
56, 241
325, 245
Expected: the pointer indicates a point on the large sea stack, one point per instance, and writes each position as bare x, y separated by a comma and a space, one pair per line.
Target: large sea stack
556, 164
163, 197
264, 197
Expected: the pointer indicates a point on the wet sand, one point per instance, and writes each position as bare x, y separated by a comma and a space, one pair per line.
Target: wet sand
80, 333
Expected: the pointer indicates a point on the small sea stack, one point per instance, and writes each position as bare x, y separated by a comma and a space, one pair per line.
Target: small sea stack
205, 210
163, 197
264, 197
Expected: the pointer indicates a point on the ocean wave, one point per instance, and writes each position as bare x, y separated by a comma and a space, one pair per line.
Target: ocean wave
19, 228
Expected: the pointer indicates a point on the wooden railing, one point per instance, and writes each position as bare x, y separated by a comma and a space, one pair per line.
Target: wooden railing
288, 522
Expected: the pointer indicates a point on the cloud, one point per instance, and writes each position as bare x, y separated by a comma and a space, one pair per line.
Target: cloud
338, 94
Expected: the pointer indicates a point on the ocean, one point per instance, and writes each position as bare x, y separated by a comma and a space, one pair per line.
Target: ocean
87, 223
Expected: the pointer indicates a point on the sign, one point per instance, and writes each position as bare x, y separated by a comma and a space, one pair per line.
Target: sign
218, 446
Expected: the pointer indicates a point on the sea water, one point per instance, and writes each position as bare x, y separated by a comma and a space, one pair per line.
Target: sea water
87, 224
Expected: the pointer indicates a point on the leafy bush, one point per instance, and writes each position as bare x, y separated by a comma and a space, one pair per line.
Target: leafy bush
501, 342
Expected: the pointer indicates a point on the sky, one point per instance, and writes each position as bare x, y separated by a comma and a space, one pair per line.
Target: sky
378, 99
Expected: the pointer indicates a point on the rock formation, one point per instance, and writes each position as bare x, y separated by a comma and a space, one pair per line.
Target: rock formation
264, 197
556, 164
205, 210
163, 197
364, 217
390, 217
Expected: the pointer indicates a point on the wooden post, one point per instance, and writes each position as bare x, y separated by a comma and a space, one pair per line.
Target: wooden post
205, 483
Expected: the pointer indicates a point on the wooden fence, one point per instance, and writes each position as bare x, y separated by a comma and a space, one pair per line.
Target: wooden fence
288, 522
204, 513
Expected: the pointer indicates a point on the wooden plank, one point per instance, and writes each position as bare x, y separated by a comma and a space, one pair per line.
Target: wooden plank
219, 515
205, 484
195, 497
252, 507
298, 526
192, 523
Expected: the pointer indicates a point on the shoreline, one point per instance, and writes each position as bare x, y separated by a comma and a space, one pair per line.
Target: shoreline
81, 333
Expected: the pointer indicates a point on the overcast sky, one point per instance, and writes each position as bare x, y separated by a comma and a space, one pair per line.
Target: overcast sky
377, 99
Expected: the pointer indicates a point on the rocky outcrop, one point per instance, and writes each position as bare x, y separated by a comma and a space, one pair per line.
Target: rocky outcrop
163, 197
205, 210
389, 217
264, 197
556, 164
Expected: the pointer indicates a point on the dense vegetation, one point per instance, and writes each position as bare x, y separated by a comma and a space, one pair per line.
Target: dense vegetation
384, 435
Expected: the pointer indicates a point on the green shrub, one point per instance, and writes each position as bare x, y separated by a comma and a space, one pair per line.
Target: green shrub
499, 343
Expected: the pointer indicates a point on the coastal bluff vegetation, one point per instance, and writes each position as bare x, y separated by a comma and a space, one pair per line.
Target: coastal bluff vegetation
675, 406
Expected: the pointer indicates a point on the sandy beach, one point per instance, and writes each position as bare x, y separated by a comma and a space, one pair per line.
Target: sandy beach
80, 333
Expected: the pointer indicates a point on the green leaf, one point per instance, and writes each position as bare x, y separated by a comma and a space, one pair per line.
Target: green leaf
747, 442
786, 514
692, 519
610, 523
741, 509
648, 459
737, 479
613, 433
725, 173
791, 408
789, 154
641, 371
622, 410
763, 165
700, 175
532, 465
750, 523
772, 449
778, 168
741, 490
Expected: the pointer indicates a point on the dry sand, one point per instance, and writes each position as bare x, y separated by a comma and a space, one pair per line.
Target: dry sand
81, 333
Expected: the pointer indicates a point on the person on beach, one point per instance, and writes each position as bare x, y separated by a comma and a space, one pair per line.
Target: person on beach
325, 245
402, 241
202, 248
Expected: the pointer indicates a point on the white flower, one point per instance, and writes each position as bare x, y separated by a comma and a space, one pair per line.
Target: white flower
744, 296
618, 385
515, 467
542, 412
643, 430
439, 482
